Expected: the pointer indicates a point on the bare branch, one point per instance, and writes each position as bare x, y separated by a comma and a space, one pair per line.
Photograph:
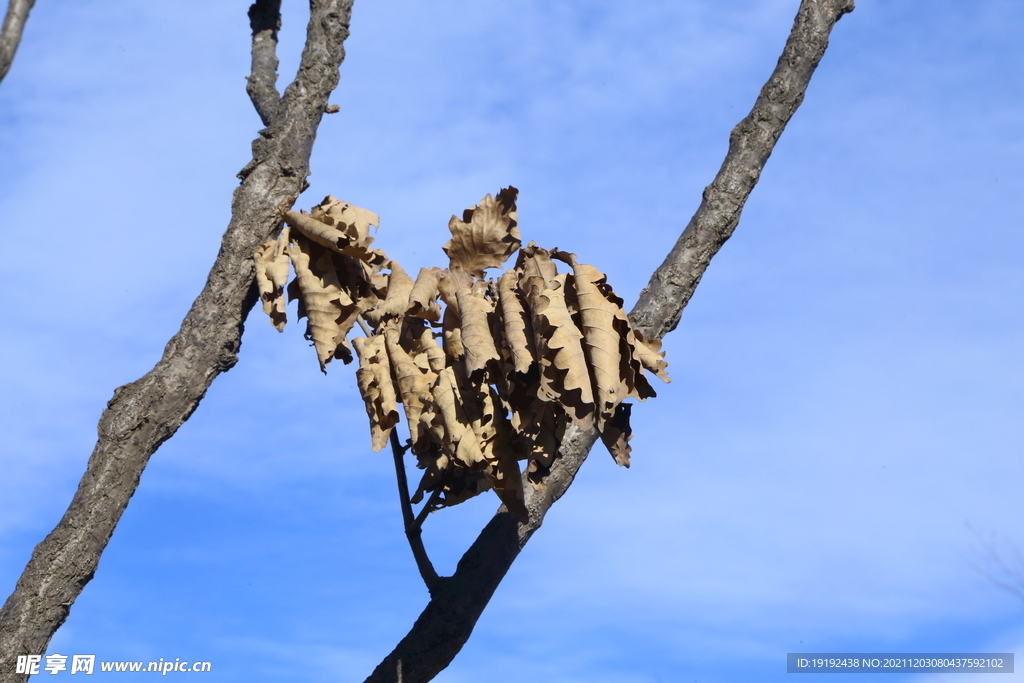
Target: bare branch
265, 21
751, 143
448, 620
1007, 575
412, 529
10, 34
144, 414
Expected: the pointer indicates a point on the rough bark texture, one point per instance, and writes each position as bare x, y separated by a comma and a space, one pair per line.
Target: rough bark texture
448, 620
144, 414
10, 34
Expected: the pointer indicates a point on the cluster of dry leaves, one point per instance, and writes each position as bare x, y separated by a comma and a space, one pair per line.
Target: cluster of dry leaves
520, 358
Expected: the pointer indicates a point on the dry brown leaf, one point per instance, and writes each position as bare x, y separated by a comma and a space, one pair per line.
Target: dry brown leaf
477, 342
460, 440
435, 355
601, 339
399, 286
518, 329
534, 261
503, 472
271, 277
451, 331
422, 299
617, 433
413, 383
376, 388
329, 228
651, 356
323, 234
487, 234
329, 309
352, 220
564, 373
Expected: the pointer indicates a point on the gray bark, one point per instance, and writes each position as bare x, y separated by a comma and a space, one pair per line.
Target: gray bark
458, 601
10, 34
144, 414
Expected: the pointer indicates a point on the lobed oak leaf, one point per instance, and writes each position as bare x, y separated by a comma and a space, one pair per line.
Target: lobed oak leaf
330, 230
487, 234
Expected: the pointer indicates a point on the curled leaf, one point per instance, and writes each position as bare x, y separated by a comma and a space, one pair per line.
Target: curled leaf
564, 374
651, 356
340, 227
601, 338
413, 382
330, 311
397, 300
617, 433
477, 341
376, 388
424, 293
352, 220
518, 330
271, 277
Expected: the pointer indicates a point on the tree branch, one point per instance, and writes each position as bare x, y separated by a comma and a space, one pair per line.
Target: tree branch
265, 21
412, 529
10, 34
448, 620
144, 414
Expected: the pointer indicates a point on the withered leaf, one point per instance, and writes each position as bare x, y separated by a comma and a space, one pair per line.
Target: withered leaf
399, 287
651, 356
564, 373
477, 341
329, 309
422, 299
352, 220
617, 433
413, 382
601, 338
329, 228
518, 330
487, 234
271, 277
376, 388
534, 261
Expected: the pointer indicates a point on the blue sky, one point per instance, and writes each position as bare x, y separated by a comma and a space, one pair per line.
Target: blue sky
843, 424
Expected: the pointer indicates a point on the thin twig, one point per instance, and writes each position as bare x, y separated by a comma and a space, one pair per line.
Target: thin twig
363, 325
10, 34
412, 530
427, 508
